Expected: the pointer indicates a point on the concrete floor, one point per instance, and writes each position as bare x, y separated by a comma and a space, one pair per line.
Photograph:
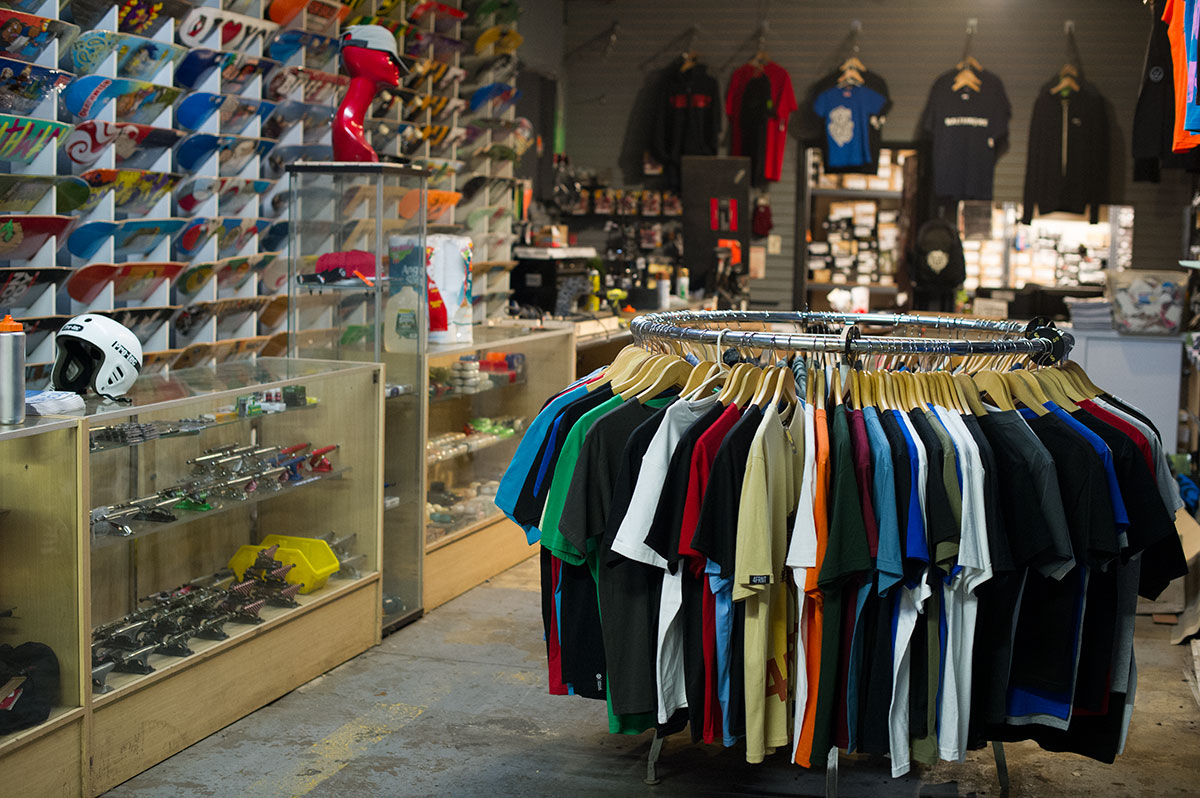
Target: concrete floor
455, 705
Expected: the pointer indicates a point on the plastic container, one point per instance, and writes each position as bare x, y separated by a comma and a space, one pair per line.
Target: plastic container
313, 560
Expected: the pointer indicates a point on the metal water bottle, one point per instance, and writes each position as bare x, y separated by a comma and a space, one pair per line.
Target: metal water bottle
12, 371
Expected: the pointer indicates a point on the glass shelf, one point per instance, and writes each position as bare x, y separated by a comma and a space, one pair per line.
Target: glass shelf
108, 446
433, 459
142, 529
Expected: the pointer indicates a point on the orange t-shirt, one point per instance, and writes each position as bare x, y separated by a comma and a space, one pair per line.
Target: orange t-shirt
814, 608
1173, 14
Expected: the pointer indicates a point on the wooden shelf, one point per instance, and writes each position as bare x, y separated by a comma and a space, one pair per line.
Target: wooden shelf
59, 717
851, 193
875, 288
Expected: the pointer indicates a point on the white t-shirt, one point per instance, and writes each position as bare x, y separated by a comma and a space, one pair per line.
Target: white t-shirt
802, 555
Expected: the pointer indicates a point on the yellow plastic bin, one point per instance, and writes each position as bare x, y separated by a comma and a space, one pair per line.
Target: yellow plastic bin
313, 560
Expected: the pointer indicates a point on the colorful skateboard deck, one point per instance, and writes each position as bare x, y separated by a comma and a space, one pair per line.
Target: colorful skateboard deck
132, 282
23, 138
136, 191
236, 70
38, 328
18, 283
237, 233
289, 153
232, 273
323, 15
20, 193
142, 322
136, 100
26, 36
24, 86
289, 113
318, 49
157, 362
308, 85
233, 152
137, 146
233, 193
235, 112
131, 237
22, 236
194, 355
139, 58
142, 17
222, 30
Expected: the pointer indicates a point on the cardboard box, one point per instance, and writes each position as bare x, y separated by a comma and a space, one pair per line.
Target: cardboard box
551, 235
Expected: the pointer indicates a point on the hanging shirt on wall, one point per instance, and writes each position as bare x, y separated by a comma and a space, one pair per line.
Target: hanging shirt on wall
847, 116
874, 82
759, 103
969, 131
687, 117
1154, 117
1183, 63
1067, 166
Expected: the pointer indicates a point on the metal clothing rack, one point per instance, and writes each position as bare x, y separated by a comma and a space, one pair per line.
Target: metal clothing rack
1038, 338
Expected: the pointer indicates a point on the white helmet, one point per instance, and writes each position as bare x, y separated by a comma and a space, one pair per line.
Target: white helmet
96, 352
373, 37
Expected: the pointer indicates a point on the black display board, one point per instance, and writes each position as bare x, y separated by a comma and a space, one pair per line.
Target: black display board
716, 206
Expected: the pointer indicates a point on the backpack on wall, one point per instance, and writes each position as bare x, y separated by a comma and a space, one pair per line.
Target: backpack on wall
937, 257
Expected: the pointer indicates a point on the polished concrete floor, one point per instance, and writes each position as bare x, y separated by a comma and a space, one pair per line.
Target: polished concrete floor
455, 705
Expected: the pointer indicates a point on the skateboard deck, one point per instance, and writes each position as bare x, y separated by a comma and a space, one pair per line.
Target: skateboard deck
222, 30
142, 322
246, 348
235, 112
323, 15
233, 152
132, 282
236, 70
21, 236
17, 283
236, 232
137, 146
131, 237
232, 273
21, 193
193, 355
142, 17
308, 85
22, 138
26, 36
288, 113
233, 193
139, 58
24, 86
280, 156
136, 100
157, 362
135, 191
318, 48
38, 328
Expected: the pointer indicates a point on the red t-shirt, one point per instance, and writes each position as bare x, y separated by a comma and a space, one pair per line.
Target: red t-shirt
783, 102
703, 455
1124, 426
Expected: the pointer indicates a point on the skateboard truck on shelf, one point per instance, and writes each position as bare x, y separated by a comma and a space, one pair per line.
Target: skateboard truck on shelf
100, 675
136, 661
175, 645
318, 463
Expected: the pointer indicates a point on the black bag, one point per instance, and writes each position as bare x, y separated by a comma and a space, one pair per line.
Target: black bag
937, 258
37, 694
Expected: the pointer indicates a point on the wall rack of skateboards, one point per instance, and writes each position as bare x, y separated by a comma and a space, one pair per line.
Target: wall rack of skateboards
186, 559
143, 145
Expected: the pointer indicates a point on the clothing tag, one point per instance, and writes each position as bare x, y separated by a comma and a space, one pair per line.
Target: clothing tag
12, 692
760, 580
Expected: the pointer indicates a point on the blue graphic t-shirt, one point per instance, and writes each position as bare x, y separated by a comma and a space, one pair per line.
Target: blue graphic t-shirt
847, 113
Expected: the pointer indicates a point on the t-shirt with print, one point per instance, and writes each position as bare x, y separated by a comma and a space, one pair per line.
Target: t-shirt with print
969, 131
873, 81
847, 113
1183, 61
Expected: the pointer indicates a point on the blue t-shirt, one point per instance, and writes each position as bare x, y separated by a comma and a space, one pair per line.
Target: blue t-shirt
917, 546
883, 499
847, 113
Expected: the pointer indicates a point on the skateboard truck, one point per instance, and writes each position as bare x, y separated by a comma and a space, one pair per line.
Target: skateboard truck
280, 596
127, 637
318, 463
247, 613
136, 661
100, 675
175, 645
292, 469
213, 628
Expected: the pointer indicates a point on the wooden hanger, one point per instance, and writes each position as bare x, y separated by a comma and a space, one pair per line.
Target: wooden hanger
1053, 390
810, 384
626, 360
855, 398
866, 387
820, 389
646, 375
971, 63
970, 394
851, 77
699, 375
1066, 85
1089, 388
1021, 391
995, 387
835, 386
785, 390
675, 373
966, 79
1035, 387
732, 383
767, 378
1069, 388
853, 62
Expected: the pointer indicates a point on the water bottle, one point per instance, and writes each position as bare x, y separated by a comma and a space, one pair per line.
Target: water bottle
12, 371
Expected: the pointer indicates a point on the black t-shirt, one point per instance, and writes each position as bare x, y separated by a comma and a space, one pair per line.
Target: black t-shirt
940, 526
663, 536
903, 476
969, 131
1049, 609
629, 591
997, 534
532, 498
755, 113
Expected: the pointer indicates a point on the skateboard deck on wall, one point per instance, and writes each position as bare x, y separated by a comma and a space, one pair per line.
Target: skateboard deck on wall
235, 112
303, 83
236, 70
222, 30
39, 328
21, 193
233, 273
132, 282
131, 237
142, 17
233, 152
233, 193
157, 362
140, 58
26, 36
136, 191
282, 155
136, 100
21, 236
136, 146
319, 49
24, 86
18, 283
142, 322
288, 113
323, 15
232, 233
23, 138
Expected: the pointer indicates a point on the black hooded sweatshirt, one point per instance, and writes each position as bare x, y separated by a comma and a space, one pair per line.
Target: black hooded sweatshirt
1068, 163
687, 117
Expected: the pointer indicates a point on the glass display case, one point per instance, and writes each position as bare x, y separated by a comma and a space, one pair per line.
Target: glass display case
458, 394
195, 552
356, 257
